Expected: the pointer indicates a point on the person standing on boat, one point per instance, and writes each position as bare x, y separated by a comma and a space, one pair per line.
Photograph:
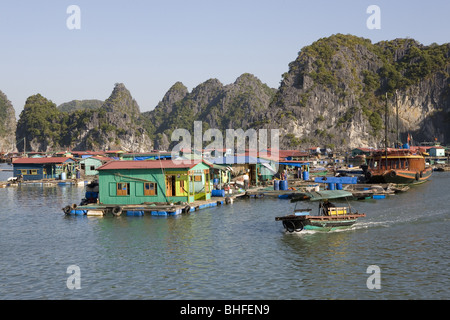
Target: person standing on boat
246, 181
326, 205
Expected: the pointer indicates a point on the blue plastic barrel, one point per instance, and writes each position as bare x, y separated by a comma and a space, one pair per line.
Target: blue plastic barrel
276, 184
331, 186
215, 181
305, 175
338, 186
283, 185
218, 193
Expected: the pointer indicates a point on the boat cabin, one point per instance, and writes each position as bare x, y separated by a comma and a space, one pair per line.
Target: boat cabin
397, 159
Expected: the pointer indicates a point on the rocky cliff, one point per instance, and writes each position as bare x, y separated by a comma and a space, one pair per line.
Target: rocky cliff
7, 125
239, 105
115, 125
336, 92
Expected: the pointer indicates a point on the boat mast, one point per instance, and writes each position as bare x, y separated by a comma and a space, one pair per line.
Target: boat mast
398, 133
386, 131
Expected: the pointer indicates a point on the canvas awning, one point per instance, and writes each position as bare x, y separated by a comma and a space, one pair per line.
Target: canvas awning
295, 164
322, 195
266, 165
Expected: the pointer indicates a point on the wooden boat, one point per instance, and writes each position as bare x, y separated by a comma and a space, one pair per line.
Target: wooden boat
321, 195
399, 166
329, 218
442, 168
370, 191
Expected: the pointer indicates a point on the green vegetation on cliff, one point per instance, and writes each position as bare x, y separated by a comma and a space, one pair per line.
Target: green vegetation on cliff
115, 123
40, 119
76, 105
7, 124
334, 93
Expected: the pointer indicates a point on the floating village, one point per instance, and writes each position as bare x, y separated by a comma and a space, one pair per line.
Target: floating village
158, 183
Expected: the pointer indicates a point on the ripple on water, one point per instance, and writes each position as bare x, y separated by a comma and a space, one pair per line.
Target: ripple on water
231, 252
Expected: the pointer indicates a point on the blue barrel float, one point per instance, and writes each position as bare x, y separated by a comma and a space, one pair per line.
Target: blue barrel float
283, 185
305, 175
331, 186
218, 193
276, 184
338, 186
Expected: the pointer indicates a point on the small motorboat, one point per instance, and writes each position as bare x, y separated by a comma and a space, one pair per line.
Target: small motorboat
329, 218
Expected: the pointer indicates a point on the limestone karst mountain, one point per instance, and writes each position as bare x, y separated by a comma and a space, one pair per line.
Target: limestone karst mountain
7, 125
334, 94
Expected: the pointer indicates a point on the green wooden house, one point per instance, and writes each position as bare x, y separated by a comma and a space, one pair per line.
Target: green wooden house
136, 182
90, 165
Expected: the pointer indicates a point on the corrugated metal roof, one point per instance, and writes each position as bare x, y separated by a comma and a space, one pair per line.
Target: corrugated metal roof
150, 164
44, 160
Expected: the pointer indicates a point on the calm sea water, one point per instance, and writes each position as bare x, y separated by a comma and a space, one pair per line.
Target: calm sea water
236, 251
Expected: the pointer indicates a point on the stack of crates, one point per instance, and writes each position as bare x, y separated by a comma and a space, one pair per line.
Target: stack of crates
335, 211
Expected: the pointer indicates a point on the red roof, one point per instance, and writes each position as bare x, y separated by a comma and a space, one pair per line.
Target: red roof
41, 160
150, 164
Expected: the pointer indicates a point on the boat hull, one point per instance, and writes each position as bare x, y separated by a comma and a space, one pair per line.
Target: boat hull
293, 223
329, 226
401, 176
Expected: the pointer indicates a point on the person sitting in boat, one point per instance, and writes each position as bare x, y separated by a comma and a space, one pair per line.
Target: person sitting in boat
325, 205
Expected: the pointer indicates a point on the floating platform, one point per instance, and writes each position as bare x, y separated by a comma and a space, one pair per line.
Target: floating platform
45, 182
153, 209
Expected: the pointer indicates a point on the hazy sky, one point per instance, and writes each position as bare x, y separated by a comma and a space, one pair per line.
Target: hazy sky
149, 45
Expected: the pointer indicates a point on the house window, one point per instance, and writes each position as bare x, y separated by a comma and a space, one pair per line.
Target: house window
123, 189
23, 172
150, 189
33, 172
92, 168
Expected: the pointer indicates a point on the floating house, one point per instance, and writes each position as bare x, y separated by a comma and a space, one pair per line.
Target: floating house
90, 165
245, 163
44, 168
115, 154
163, 155
437, 151
137, 182
362, 151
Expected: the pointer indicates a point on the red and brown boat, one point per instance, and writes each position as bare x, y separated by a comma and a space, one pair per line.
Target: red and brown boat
400, 166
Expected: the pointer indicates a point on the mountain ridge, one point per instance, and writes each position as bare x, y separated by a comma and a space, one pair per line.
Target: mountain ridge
334, 94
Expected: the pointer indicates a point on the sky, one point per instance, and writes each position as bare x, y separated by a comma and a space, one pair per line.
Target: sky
150, 45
